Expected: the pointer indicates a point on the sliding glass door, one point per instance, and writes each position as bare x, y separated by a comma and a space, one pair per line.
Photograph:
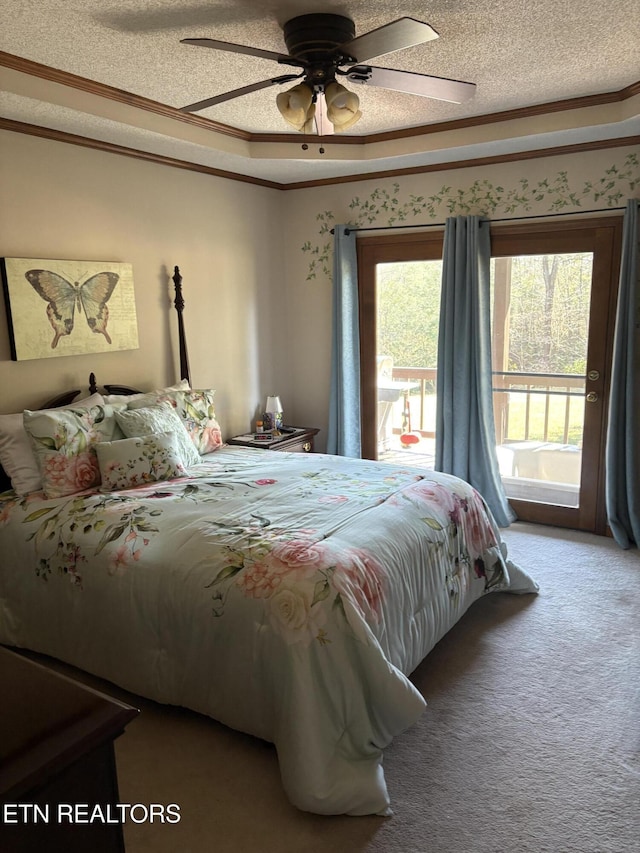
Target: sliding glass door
553, 296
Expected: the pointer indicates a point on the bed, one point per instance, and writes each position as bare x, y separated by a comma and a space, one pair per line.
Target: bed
286, 595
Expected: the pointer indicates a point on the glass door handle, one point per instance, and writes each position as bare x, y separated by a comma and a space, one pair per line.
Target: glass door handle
592, 397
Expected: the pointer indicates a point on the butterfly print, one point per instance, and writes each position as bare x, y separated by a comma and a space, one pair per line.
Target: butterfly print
63, 298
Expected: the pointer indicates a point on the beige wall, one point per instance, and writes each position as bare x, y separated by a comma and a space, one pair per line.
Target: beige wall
256, 323
63, 201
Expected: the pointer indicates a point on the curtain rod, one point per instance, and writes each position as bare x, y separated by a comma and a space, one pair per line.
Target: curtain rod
507, 219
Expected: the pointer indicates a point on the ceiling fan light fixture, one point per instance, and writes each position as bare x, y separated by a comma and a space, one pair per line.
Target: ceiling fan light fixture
342, 107
348, 124
296, 106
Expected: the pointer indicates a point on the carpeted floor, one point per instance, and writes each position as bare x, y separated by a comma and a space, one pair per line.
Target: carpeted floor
529, 743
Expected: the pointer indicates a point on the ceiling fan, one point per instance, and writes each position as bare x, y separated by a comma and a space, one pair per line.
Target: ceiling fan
324, 47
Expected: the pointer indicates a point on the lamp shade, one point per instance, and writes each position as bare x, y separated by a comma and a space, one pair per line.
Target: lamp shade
296, 107
273, 405
342, 107
273, 410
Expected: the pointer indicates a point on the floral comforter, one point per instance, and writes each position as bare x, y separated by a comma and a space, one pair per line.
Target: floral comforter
286, 595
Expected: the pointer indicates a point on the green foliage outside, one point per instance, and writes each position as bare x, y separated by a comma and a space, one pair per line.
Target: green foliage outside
408, 312
549, 313
555, 429
547, 329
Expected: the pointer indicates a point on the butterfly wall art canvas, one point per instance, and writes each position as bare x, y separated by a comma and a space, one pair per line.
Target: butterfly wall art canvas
68, 307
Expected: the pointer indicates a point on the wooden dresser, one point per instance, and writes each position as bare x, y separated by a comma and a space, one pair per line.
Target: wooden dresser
56, 750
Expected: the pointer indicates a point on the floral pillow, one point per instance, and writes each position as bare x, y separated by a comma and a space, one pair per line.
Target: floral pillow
16, 454
134, 461
197, 412
156, 419
63, 441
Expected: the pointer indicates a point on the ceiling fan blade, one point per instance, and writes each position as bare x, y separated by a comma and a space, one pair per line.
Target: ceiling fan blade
439, 88
405, 32
244, 49
236, 93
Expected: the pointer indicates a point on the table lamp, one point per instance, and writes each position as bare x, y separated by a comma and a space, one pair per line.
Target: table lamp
274, 410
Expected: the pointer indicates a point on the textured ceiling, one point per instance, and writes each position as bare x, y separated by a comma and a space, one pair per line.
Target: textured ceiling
518, 53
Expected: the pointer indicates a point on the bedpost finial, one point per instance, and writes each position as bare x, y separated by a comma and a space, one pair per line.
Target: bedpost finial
179, 305
177, 281
93, 388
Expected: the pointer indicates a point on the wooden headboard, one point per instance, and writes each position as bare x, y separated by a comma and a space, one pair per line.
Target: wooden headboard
67, 397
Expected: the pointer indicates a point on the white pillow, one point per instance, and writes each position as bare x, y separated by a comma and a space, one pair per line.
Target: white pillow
135, 461
183, 385
157, 419
16, 453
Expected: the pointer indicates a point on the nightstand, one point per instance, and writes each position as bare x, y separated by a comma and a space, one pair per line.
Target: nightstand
299, 441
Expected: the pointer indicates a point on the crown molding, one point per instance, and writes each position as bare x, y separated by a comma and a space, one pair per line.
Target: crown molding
585, 101
73, 81
174, 162
112, 148
532, 154
36, 69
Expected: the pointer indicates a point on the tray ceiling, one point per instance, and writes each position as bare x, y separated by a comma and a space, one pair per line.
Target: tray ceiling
520, 55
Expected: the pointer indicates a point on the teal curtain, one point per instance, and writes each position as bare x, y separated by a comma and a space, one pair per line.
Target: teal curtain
343, 437
622, 483
465, 429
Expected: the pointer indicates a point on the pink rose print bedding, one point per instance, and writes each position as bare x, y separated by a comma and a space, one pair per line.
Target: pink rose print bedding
286, 595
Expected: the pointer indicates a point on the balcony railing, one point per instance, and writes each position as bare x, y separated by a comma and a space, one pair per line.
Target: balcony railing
559, 417
546, 407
